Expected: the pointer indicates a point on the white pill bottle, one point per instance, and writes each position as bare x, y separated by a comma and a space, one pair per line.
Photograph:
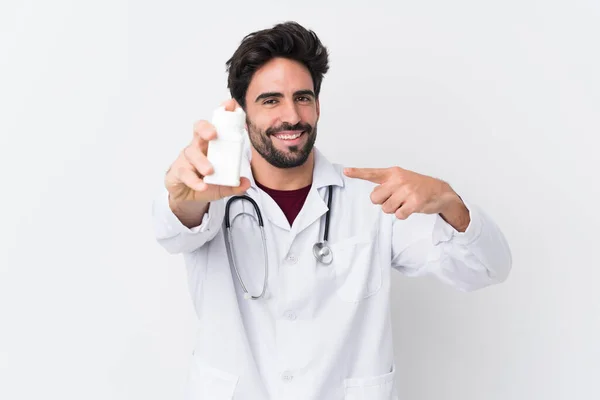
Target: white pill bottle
226, 151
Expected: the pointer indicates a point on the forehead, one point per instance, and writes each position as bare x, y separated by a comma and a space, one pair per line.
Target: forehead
280, 75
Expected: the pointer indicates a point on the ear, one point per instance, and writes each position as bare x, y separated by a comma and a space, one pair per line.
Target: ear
318, 108
246, 123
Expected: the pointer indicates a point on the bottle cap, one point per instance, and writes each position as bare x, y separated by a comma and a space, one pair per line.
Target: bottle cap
228, 123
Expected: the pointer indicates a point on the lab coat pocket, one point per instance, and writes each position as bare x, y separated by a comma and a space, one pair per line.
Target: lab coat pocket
357, 267
206, 382
380, 387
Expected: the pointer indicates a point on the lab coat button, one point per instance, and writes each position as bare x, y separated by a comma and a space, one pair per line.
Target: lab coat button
287, 376
290, 315
292, 259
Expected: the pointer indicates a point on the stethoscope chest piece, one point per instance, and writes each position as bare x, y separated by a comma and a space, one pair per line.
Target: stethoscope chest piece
322, 252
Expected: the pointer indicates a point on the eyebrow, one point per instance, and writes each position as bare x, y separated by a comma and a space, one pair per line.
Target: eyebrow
304, 92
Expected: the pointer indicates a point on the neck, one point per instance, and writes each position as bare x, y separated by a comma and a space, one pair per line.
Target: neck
282, 178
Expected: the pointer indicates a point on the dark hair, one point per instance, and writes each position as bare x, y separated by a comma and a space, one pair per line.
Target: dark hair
288, 40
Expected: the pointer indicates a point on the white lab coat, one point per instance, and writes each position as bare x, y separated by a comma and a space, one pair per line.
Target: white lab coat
324, 331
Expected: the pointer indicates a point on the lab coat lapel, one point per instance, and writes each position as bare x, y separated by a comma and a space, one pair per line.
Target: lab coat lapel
267, 205
273, 212
313, 209
315, 206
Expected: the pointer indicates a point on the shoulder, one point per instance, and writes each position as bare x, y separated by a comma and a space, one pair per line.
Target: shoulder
354, 203
355, 194
353, 185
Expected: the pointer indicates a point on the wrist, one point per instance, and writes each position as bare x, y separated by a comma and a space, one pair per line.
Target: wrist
455, 212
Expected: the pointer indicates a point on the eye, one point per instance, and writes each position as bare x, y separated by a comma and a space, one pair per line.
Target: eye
270, 101
303, 99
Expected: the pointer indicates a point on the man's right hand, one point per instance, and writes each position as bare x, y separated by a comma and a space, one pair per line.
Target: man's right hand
189, 196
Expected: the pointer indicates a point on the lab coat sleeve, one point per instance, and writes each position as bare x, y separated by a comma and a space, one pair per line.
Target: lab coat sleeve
426, 244
176, 237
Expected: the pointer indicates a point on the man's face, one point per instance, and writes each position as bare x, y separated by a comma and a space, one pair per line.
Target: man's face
282, 113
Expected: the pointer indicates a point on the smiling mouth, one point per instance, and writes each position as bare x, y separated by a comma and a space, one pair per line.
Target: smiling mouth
288, 135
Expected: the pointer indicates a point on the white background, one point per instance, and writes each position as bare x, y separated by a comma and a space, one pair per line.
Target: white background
501, 99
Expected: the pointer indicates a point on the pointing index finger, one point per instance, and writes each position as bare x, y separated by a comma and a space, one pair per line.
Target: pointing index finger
375, 175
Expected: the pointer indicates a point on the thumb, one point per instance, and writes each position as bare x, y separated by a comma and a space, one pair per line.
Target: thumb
230, 105
242, 188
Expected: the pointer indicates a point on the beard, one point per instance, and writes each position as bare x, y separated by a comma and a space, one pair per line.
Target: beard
295, 156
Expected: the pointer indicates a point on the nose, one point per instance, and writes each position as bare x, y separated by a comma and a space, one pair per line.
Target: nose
290, 113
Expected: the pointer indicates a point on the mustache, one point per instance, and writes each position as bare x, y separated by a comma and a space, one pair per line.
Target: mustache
289, 127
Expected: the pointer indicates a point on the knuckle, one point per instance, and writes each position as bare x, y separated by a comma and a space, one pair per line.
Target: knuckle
416, 198
181, 171
388, 207
200, 125
205, 130
372, 196
174, 168
396, 179
190, 153
187, 154
404, 211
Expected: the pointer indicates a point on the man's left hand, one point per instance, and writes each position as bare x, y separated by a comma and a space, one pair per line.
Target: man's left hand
403, 192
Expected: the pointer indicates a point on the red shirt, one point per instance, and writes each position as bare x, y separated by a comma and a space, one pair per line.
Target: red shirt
290, 201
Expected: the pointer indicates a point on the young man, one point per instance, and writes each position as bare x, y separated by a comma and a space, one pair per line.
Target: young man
322, 330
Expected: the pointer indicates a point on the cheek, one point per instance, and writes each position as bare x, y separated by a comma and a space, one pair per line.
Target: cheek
309, 114
260, 123
267, 118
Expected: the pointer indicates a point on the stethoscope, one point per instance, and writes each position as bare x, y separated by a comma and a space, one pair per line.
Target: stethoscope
321, 249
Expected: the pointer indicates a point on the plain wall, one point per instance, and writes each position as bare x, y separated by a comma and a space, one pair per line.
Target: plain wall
500, 99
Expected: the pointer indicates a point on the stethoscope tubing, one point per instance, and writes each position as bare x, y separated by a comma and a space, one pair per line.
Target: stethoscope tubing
259, 219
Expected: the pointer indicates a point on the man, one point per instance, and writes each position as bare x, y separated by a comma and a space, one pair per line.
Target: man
322, 330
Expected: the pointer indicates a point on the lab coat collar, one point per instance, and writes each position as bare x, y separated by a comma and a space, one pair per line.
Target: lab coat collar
324, 174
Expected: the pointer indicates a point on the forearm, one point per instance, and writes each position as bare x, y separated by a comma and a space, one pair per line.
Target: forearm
203, 223
190, 213
472, 259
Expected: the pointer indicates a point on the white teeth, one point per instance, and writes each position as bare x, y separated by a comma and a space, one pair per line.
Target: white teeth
289, 137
